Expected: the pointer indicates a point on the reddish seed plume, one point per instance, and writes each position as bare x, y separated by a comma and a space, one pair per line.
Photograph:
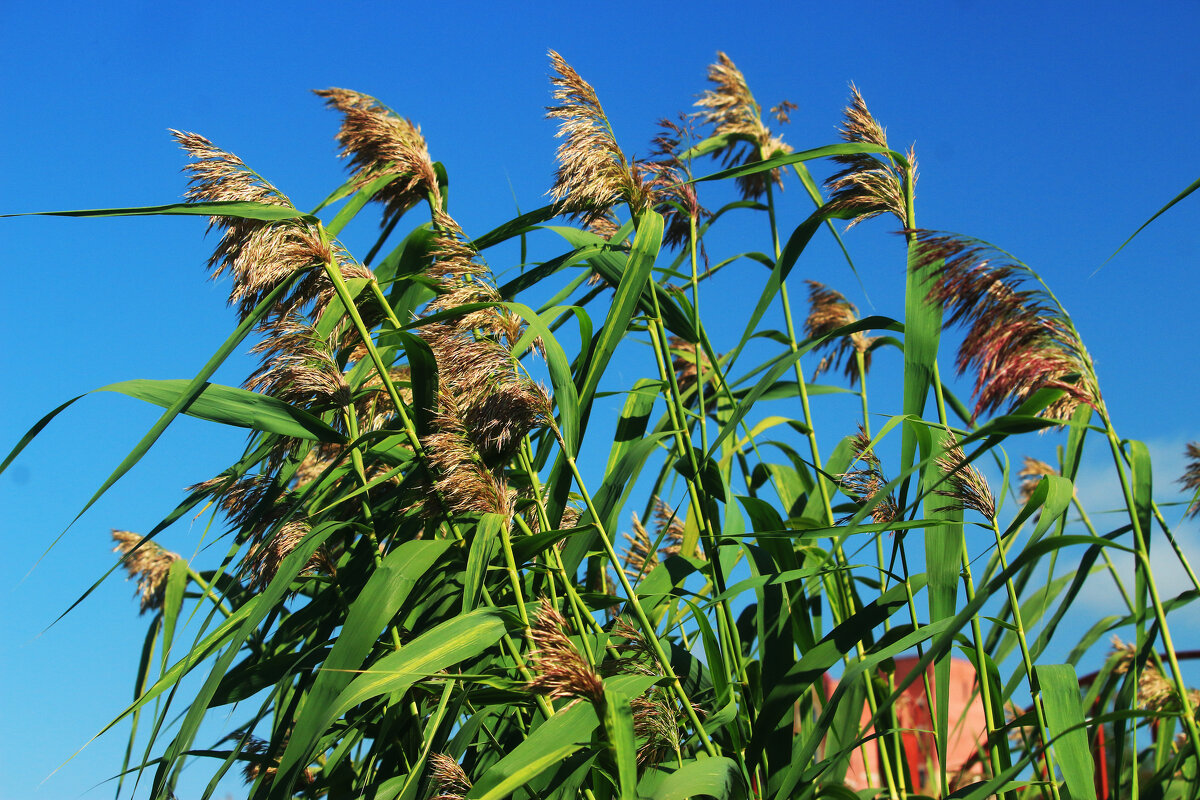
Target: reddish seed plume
560, 671
1018, 340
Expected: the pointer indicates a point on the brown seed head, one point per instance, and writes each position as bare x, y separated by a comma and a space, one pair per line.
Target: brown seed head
149, 563
559, 669
261, 564
1018, 340
259, 255
380, 143
865, 485
261, 761
688, 361
732, 111
298, 367
672, 194
870, 184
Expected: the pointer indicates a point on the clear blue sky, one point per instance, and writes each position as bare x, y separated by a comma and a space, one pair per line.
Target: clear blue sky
1053, 130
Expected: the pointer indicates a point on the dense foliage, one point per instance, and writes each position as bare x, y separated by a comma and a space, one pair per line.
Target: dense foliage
426, 595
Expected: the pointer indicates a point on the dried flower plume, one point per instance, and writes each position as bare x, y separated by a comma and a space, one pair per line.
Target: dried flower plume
447, 779
733, 112
865, 485
689, 362
1018, 340
379, 143
964, 484
258, 254
147, 561
671, 190
593, 173
560, 671
828, 311
1031, 475
870, 184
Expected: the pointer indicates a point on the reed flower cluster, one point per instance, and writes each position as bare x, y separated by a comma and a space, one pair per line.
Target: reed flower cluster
1018, 339
147, 561
870, 184
828, 311
730, 108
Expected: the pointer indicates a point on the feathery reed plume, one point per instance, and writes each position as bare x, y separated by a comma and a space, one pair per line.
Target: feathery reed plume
733, 112
149, 563
252, 503
966, 485
380, 143
870, 184
865, 485
1031, 475
479, 384
447, 779
1154, 691
259, 255
673, 195
593, 173
298, 367
261, 761
656, 726
1191, 476
559, 669
261, 564
1018, 339
486, 405
463, 280
687, 360
783, 111
639, 556
830, 310
670, 530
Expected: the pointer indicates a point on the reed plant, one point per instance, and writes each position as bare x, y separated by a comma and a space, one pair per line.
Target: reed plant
449, 575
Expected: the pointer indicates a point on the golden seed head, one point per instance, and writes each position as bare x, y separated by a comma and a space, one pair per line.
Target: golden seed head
379, 143
870, 184
593, 173
447, 778
149, 563
732, 111
639, 556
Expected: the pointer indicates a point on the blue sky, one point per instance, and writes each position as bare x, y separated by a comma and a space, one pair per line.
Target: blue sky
1053, 130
